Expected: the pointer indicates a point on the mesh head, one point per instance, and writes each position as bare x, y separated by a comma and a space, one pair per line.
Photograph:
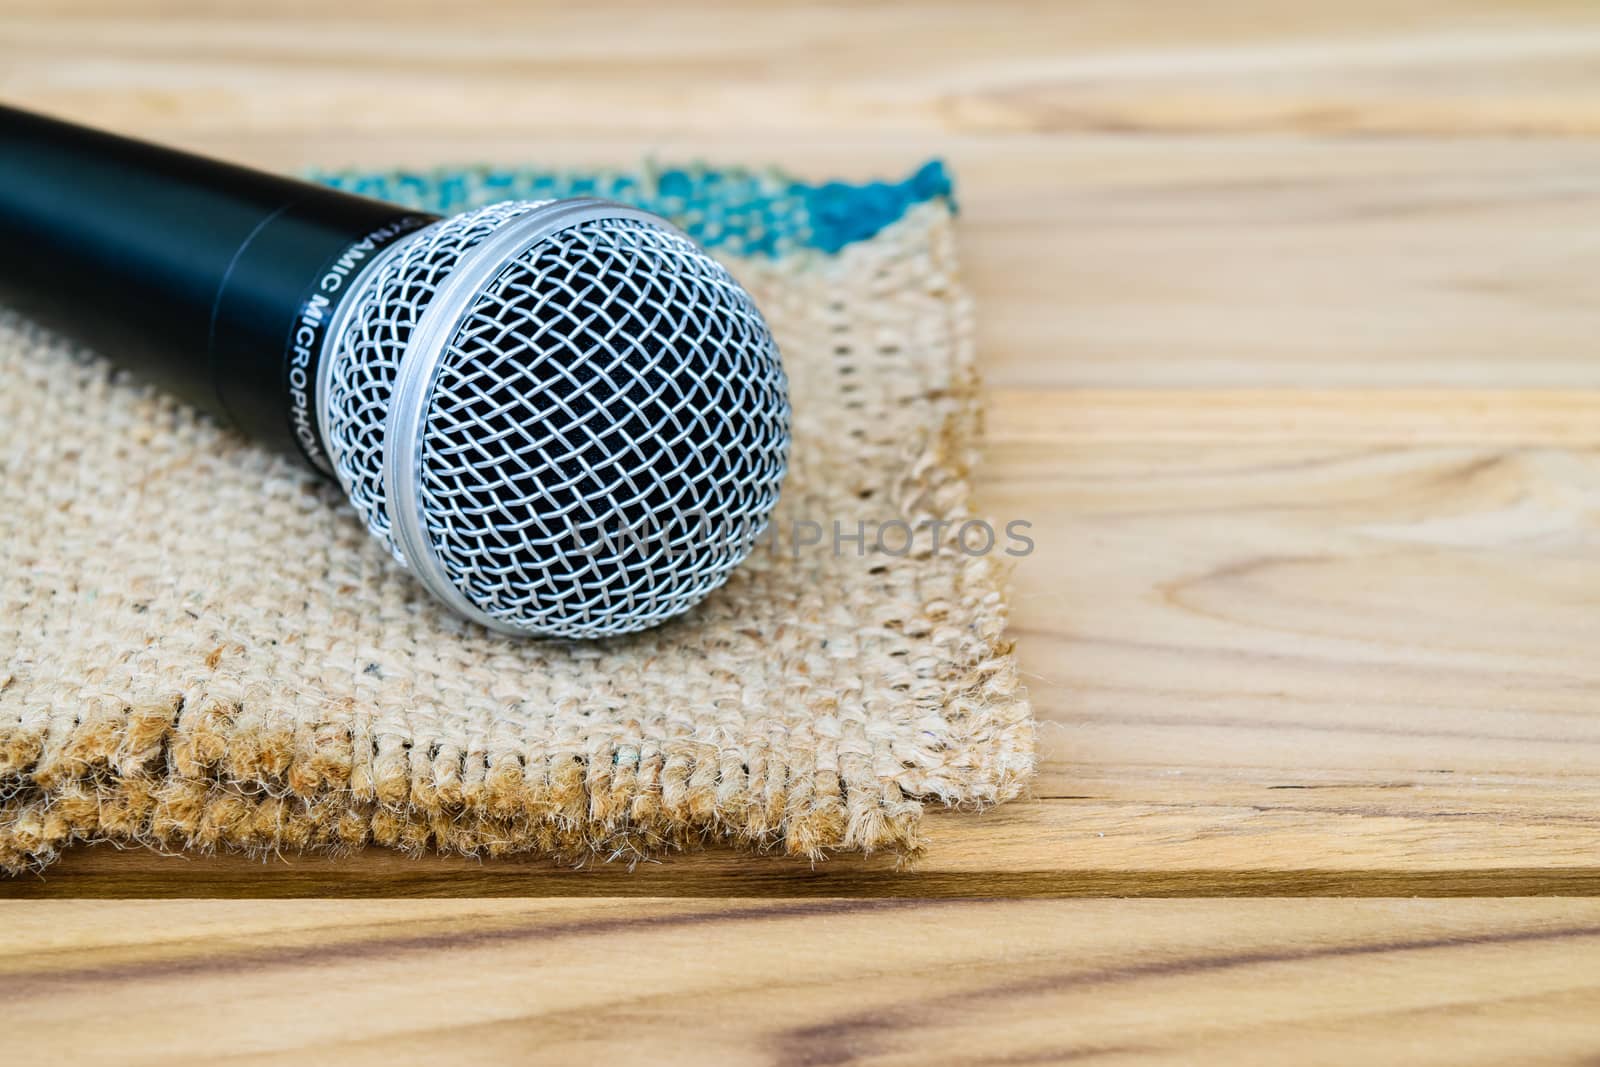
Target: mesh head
565, 417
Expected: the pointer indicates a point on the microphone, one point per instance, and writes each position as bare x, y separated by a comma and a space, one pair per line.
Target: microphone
563, 416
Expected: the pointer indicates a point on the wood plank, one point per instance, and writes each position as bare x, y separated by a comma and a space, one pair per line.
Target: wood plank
1484, 418
1099, 259
1112, 262
1224, 263
1423, 67
1118, 262
802, 982
1051, 836
1279, 643
1369, 616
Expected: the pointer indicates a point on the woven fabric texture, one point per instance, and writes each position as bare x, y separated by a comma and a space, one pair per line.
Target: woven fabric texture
201, 647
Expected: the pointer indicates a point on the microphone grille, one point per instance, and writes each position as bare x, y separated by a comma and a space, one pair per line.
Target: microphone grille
587, 428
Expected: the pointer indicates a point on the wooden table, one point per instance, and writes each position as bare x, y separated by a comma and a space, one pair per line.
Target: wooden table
1290, 315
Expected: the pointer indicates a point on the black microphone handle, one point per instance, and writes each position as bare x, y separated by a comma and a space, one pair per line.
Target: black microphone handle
211, 280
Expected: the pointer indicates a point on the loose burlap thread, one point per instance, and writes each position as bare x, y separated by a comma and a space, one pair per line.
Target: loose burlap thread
201, 647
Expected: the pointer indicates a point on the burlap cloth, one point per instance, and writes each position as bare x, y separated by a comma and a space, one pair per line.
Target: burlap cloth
201, 647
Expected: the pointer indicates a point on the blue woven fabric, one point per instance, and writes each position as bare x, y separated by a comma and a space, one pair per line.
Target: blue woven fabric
746, 212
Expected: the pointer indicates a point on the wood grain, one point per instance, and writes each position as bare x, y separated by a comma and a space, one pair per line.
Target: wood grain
802, 982
1289, 311
1238, 194
1290, 314
1123, 262
1424, 67
1314, 642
